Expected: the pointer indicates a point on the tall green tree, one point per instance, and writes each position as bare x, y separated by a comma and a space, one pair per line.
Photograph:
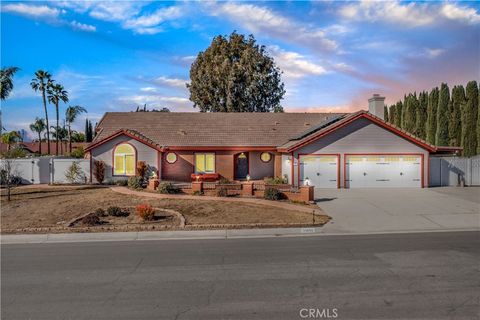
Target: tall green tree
235, 74
71, 114
38, 127
409, 109
478, 124
392, 114
6, 81
421, 115
441, 137
42, 80
385, 113
88, 131
57, 93
432, 115
469, 120
399, 112
10, 138
455, 121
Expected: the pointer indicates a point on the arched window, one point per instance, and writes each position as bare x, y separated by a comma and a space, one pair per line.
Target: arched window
124, 160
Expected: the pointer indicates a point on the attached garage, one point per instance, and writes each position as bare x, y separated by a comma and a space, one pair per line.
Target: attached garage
321, 171
384, 171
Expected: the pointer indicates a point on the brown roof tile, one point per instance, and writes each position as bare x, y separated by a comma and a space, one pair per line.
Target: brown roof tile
211, 129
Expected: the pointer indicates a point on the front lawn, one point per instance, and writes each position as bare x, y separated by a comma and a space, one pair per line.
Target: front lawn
52, 207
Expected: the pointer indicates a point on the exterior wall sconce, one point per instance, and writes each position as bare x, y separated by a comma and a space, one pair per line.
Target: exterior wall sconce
307, 181
248, 177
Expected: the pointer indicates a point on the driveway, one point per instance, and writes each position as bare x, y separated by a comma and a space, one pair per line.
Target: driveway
384, 210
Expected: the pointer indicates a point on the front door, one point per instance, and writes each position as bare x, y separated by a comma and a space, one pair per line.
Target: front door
241, 166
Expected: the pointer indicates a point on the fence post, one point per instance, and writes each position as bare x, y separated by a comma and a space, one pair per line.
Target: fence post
197, 186
247, 189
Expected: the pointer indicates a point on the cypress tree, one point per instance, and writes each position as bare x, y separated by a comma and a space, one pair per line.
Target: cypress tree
455, 121
432, 115
398, 116
409, 106
385, 113
441, 137
88, 131
421, 115
392, 114
469, 120
478, 124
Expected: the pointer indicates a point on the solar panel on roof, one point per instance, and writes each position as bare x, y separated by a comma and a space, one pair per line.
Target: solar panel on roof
317, 127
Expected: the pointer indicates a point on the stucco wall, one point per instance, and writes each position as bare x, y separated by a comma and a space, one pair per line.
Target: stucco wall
361, 136
104, 152
258, 168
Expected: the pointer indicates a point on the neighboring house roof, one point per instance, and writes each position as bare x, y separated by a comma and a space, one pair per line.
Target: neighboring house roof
33, 147
285, 131
211, 129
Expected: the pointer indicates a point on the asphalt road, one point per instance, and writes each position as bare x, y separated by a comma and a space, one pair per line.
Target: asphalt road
422, 276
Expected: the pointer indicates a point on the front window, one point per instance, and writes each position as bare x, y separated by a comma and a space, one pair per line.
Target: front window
204, 162
124, 160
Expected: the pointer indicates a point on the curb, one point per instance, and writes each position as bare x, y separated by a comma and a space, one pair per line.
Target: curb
224, 234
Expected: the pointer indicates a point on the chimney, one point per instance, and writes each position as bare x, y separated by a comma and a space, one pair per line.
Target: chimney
376, 106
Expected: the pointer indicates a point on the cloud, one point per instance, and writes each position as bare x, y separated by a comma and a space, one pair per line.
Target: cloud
157, 102
295, 65
83, 27
409, 14
433, 52
148, 89
148, 23
32, 11
264, 21
463, 14
171, 82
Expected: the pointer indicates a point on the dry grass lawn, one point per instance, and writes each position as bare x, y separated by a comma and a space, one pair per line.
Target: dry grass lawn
51, 206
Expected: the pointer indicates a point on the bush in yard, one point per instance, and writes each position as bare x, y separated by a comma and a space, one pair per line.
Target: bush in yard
78, 153
222, 192
123, 182
91, 220
224, 180
141, 169
197, 193
145, 211
276, 180
135, 182
99, 171
167, 188
99, 212
74, 174
272, 194
116, 212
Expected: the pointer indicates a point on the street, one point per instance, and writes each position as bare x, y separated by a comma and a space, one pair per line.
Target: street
396, 276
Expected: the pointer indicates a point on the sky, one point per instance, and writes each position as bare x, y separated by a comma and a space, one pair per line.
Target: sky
117, 55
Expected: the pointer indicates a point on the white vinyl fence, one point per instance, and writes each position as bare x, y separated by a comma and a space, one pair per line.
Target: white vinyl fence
454, 171
48, 169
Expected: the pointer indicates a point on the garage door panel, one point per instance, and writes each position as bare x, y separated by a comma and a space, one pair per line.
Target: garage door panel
321, 170
383, 171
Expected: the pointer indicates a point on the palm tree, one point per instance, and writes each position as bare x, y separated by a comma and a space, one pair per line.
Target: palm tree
59, 134
6, 85
57, 93
39, 126
70, 114
10, 138
42, 80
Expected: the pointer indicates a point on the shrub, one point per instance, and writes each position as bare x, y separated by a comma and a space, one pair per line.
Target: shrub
276, 180
99, 212
116, 212
13, 181
91, 220
224, 180
74, 173
197, 193
222, 192
167, 188
123, 182
145, 211
141, 169
135, 182
78, 153
15, 152
99, 171
272, 194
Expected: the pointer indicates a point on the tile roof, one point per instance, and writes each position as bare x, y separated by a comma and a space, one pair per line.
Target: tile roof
189, 129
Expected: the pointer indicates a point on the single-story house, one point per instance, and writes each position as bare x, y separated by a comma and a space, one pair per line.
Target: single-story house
326, 150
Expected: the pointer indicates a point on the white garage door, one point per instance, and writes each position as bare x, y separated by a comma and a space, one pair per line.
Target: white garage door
320, 170
397, 171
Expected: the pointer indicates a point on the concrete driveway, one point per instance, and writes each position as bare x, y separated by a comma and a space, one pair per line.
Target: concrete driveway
384, 210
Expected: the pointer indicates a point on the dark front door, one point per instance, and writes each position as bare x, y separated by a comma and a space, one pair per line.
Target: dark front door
241, 166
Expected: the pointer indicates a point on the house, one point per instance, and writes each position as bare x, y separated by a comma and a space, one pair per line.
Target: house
326, 150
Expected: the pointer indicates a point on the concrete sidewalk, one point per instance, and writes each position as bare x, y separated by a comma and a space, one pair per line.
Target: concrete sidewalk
190, 235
